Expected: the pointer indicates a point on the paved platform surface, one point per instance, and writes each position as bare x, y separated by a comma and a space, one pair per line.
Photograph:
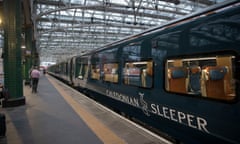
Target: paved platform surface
59, 114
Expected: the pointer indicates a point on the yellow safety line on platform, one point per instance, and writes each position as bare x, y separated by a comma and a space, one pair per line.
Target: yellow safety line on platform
105, 134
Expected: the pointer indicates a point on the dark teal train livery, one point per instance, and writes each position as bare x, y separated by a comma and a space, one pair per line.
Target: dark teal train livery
181, 79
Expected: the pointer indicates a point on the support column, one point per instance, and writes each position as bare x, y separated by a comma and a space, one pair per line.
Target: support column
12, 53
27, 53
35, 56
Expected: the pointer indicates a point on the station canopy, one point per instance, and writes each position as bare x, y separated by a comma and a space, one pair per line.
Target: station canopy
65, 28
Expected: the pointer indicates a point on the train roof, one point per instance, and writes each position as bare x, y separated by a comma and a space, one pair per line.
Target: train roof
182, 20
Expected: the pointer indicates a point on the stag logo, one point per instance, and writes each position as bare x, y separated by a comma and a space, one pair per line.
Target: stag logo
143, 104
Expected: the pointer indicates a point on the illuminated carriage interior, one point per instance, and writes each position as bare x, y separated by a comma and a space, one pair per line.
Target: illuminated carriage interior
138, 73
207, 77
134, 73
210, 77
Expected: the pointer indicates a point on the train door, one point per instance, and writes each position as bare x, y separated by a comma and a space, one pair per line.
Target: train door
71, 71
83, 71
146, 75
68, 72
138, 72
73, 67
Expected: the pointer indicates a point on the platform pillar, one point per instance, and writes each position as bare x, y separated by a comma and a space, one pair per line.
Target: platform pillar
35, 55
28, 53
12, 54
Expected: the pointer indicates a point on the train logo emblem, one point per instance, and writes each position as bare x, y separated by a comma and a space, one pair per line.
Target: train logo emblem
143, 104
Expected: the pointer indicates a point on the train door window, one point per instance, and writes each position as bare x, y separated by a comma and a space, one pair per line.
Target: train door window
63, 68
66, 68
209, 77
85, 67
138, 73
95, 72
73, 67
81, 67
77, 67
83, 71
110, 72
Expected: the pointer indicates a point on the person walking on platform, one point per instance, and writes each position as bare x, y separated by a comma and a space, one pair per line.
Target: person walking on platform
35, 74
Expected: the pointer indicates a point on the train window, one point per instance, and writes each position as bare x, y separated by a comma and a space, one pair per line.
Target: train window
210, 77
132, 51
138, 73
215, 31
108, 55
110, 72
83, 70
95, 72
167, 40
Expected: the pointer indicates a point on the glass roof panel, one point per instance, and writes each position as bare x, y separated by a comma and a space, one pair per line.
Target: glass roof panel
69, 27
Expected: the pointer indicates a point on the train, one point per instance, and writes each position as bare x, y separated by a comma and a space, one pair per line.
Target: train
181, 79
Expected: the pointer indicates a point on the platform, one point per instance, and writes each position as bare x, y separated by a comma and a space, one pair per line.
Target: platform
61, 115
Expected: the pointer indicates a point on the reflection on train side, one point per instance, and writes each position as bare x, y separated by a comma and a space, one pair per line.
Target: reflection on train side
210, 77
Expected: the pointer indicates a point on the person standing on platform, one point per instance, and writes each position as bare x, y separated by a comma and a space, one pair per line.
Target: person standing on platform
35, 74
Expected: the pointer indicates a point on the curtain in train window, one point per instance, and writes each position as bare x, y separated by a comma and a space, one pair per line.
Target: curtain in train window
138, 74
210, 77
110, 72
